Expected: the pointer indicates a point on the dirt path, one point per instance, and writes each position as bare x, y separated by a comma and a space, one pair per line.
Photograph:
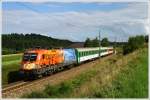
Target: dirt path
56, 78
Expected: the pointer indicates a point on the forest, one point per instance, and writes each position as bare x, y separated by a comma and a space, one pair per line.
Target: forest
15, 42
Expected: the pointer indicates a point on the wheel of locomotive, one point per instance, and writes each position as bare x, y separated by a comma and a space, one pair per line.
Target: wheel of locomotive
49, 73
60, 68
45, 70
56, 69
53, 69
70, 66
48, 70
39, 73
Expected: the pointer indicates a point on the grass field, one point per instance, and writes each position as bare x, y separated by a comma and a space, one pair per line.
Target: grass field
126, 78
131, 82
10, 66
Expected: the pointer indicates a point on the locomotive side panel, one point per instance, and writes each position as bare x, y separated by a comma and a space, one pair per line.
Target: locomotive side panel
69, 56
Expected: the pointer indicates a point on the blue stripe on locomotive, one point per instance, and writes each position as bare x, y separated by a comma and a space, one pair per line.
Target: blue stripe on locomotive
69, 56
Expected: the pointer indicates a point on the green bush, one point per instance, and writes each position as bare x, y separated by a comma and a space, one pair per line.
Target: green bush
51, 90
56, 91
133, 44
105, 42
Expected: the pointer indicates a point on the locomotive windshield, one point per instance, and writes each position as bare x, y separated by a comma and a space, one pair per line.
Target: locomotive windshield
29, 57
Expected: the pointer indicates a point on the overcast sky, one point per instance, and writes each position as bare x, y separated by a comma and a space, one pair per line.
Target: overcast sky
76, 20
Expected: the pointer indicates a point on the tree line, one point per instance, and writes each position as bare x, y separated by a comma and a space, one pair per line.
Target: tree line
133, 43
14, 42
95, 42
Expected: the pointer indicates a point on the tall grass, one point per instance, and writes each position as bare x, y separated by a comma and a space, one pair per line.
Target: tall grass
130, 83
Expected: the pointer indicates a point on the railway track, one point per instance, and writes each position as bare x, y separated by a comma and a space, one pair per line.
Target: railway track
13, 86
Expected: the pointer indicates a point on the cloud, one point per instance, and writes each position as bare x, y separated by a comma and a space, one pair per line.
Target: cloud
77, 26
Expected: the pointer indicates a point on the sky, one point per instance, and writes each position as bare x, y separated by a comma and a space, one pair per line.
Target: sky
76, 21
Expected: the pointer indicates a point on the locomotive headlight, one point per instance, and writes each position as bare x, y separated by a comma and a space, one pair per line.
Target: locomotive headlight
29, 66
32, 66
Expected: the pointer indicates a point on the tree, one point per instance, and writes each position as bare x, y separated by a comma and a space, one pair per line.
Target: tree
95, 42
105, 42
146, 38
133, 44
87, 43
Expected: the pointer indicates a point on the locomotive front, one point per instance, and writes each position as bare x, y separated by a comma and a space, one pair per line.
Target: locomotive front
29, 63
40, 62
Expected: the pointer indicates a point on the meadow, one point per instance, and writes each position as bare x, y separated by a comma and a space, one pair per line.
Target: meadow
10, 67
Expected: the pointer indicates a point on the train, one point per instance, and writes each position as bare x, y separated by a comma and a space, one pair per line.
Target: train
40, 62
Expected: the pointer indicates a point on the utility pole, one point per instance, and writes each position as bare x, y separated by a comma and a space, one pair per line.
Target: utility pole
115, 45
99, 44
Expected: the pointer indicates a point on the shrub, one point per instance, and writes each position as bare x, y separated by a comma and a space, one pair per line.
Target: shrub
55, 91
51, 90
133, 44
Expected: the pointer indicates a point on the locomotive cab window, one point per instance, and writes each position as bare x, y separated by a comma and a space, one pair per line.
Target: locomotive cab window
29, 57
